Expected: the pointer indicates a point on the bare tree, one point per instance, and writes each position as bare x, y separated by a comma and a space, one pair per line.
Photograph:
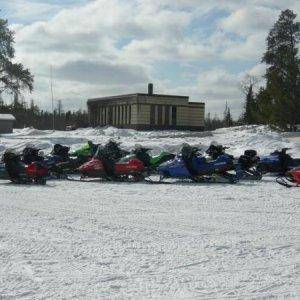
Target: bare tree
249, 81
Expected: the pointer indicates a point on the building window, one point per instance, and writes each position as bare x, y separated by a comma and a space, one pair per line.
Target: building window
129, 114
114, 115
159, 115
167, 115
119, 114
103, 116
152, 115
110, 115
100, 115
174, 115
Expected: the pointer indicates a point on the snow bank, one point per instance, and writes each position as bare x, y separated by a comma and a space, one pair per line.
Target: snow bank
260, 138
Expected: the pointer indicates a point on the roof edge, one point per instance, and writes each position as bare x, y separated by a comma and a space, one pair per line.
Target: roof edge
136, 94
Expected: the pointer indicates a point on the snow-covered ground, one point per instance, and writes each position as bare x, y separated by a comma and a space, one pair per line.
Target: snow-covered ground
139, 241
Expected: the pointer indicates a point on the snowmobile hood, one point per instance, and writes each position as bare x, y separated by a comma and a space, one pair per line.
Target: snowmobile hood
295, 173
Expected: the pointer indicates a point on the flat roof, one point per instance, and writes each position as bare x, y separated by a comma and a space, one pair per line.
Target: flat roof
7, 117
136, 94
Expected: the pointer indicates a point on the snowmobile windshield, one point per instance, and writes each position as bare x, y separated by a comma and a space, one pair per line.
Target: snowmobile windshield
127, 158
85, 150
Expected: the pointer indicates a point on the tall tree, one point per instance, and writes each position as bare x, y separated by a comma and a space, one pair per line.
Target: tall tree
228, 122
13, 76
250, 108
283, 71
265, 107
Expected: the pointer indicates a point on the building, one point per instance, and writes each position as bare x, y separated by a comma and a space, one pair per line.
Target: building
147, 112
6, 123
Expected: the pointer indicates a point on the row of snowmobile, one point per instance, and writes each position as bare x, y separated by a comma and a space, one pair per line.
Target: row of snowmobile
111, 162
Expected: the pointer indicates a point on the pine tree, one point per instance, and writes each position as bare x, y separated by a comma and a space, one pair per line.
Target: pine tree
283, 72
249, 115
228, 122
265, 107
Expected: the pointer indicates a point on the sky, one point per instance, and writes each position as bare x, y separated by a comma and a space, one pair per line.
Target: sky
198, 48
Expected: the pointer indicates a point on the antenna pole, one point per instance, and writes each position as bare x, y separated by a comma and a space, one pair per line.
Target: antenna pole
52, 99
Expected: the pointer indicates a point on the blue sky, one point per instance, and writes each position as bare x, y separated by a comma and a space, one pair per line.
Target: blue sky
198, 48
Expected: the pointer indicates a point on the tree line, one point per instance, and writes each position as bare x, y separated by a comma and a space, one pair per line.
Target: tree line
31, 115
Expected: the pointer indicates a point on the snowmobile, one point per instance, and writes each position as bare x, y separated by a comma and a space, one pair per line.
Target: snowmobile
215, 150
31, 154
151, 162
135, 166
61, 163
3, 173
60, 153
124, 170
278, 162
246, 166
104, 163
191, 164
86, 152
291, 178
19, 173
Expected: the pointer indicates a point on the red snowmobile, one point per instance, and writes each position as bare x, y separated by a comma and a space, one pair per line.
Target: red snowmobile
110, 162
18, 172
124, 170
37, 173
291, 178
127, 169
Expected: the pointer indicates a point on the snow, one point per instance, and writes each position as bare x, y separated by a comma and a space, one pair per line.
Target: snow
140, 241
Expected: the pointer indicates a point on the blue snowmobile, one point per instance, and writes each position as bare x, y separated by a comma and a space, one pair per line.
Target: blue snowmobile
245, 166
278, 162
3, 172
190, 164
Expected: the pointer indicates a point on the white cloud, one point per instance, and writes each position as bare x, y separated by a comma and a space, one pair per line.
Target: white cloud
33, 11
249, 20
114, 46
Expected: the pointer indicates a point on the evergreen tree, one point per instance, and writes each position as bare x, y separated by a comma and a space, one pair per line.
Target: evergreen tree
249, 115
283, 72
250, 105
228, 122
265, 107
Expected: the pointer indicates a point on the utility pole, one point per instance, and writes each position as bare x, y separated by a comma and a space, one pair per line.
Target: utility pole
52, 99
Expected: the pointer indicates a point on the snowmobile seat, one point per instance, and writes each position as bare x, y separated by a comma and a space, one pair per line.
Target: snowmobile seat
31, 154
250, 153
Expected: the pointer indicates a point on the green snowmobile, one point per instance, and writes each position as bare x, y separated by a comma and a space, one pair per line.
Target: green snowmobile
86, 151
